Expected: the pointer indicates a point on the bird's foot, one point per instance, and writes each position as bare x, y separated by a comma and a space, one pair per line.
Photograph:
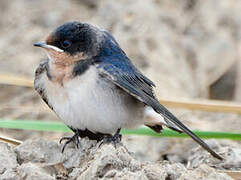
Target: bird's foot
112, 139
74, 139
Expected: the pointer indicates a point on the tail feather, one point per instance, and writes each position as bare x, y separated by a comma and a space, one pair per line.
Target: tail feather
169, 117
175, 129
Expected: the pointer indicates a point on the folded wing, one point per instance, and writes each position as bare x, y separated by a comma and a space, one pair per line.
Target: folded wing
121, 72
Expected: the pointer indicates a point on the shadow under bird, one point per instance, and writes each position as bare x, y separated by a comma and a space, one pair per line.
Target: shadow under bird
91, 84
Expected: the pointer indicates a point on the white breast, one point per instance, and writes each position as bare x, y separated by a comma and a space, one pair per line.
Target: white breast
87, 101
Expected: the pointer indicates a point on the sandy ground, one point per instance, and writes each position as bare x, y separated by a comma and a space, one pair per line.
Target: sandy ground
186, 47
41, 159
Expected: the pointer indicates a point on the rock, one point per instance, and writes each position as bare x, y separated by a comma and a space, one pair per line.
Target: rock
10, 174
8, 158
31, 171
231, 153
41, 159
107, 159
204, 172
110, 162
57, 170
39, 151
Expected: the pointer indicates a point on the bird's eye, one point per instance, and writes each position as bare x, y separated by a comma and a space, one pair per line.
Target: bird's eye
66, 43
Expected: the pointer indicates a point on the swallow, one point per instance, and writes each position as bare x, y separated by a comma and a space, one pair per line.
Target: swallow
91, 84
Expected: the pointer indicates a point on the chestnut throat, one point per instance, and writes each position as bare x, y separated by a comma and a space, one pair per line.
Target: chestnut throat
60, 73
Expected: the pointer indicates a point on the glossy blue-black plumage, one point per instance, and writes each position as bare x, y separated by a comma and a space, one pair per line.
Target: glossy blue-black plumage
115, 66
78, 37
112, 59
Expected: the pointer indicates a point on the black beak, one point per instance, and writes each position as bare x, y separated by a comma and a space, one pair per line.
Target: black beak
40, 44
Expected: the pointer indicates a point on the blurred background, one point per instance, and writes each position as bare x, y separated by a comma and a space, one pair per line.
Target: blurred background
189, 48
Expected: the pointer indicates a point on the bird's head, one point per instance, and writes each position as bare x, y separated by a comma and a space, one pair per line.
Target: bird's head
71, 42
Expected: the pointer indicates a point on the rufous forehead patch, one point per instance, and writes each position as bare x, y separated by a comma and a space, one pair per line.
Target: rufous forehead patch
51, 38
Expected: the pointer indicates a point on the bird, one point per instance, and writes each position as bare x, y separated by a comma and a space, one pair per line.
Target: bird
95, 89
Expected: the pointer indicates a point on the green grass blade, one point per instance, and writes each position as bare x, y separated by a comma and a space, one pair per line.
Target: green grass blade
34, 125
60, 127
170, 133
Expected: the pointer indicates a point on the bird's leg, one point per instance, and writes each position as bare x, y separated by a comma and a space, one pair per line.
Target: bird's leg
112, 139
74, 139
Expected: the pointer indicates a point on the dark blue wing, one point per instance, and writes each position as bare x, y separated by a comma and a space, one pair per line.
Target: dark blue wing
114, 65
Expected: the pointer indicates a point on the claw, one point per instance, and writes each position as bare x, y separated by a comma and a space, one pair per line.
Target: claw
74, 139
112, 139
64, 138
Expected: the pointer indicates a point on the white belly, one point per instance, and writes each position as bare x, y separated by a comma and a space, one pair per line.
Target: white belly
88, 102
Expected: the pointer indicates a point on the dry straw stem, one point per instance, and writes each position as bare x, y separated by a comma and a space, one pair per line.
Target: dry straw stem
233, 174
10, 79
202, 105
10, 140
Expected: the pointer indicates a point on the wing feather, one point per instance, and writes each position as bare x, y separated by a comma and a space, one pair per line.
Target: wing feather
136, 84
